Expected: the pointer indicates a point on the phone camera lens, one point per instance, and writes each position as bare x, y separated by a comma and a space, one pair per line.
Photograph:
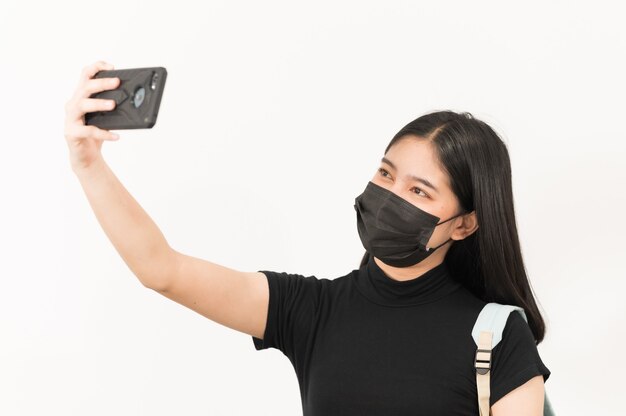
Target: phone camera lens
139, 96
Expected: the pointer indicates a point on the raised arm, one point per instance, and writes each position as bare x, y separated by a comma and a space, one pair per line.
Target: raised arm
238, 300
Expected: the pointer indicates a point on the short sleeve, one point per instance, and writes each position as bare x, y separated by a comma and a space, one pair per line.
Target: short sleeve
293, 300
515, 359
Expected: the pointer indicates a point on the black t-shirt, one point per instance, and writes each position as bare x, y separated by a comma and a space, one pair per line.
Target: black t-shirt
365, 343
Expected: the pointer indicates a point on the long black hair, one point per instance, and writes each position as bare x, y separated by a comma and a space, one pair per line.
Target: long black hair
489, 261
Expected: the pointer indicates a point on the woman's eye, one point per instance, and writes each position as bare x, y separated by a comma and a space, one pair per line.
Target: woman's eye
381, 171
384, 174
415, 187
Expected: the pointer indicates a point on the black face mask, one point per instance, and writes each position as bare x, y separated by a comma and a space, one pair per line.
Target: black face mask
393, 229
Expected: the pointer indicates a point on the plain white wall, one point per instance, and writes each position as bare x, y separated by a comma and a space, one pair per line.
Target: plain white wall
273, 119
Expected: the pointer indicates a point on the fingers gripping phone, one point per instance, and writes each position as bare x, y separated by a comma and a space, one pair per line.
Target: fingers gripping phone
137, 99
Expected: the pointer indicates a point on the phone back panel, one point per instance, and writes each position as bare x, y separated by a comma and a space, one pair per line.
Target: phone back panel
137, 98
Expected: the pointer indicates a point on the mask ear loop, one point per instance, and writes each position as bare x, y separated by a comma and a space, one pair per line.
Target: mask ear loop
457, 215
433, 249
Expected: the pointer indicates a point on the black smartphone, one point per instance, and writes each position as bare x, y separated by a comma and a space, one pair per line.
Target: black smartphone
137, 99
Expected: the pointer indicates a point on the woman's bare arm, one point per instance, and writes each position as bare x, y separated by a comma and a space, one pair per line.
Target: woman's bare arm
526, 400
232, 298
134, 235
238, 300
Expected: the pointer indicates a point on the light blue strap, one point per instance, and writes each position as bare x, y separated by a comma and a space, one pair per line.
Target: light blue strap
493, 318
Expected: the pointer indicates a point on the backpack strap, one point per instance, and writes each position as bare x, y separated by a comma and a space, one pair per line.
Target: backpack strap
487, 333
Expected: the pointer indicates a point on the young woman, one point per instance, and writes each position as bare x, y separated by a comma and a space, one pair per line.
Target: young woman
392, 337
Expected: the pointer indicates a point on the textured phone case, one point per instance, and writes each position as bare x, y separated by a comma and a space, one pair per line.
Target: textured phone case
137, 99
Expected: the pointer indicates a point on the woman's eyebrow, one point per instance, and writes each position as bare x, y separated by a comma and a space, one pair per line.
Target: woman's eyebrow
415, 178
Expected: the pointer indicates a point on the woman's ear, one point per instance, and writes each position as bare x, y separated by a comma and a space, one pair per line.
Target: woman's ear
467, 227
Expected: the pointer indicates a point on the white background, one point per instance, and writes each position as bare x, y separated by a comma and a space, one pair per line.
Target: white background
274, 117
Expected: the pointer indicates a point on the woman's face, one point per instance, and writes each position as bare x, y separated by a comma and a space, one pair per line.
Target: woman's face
411, 171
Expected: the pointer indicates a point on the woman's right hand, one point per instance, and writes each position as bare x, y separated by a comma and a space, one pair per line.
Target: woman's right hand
84, 141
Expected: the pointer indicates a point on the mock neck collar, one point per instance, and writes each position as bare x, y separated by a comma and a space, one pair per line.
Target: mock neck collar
379, 288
